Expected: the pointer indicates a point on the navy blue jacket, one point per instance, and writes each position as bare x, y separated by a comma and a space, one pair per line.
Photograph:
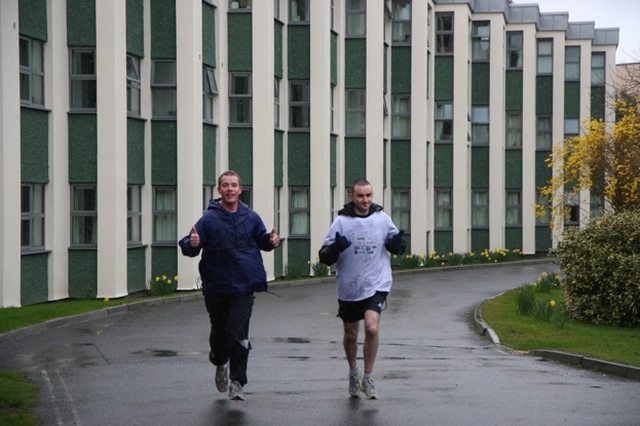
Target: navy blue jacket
231, 262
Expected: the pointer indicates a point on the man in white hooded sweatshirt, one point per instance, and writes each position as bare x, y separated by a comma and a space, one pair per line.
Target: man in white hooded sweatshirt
359, 242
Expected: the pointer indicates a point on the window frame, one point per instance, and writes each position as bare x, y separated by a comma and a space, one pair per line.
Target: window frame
399, 25
209, 92
353, 17
598, 69
478, 208
301, 19
443, 210
166, 88
300, 109
513, 130
544, 136
515, 50
544, 59
297, 211
477, 123
169, 214
480, 42
571, 63
237, 100
134, 215
352, 112
29, 72
133, 86
82, 78
400, 119
444, 35
240, 6
401, 213
572, 207
441, 121
509, 207
32, 215
80, 216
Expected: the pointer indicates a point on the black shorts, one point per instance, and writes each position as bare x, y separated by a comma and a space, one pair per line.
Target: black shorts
354, 311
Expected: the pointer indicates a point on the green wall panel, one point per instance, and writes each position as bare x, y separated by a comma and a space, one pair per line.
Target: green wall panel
135, 27
209, 174
400, 164
401, 69
34, 145
597, 102
513, 168
135, 151
299, 59
299, 162
479, 240
81, 23
543, 171
83, 148
239, 32
443, 242
33, 18
241, 153
278, 261
333, 162
443, 78
163, 29
513, 238
355, 67
572, 99
164, 260
513, 90
480, 167
443, 166
480, 84
334, 59
208, 34
83, 274
355, 159
34, 278
278, 53
164, 157
299, 250
385, 77
136, 269
543, 239
544, 94
279, 158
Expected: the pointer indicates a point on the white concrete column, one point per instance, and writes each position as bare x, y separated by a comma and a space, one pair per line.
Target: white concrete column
57, 194
189, 116
111, 55
320, 91
9, 155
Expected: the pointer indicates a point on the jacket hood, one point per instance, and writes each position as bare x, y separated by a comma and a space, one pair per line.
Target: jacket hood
348, 210
214, 204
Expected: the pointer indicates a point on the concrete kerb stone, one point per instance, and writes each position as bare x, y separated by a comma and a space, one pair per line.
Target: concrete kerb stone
589, 363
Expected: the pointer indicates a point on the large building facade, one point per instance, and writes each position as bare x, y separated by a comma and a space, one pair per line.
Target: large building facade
116, 117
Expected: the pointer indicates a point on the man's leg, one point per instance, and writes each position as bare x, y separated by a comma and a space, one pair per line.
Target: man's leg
371, 323
350, 342
218, 310
239, 318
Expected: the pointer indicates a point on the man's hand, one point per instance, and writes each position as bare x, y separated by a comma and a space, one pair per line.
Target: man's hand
341, 243
274, 239
194, 238
396, 244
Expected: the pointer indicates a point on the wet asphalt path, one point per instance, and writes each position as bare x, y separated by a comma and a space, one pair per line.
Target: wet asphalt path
149, 366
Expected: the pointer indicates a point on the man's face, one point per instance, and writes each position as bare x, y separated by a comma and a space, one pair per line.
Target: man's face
362, 197
229, 189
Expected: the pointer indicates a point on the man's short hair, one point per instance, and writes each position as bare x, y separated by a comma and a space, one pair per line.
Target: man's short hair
359, 182
229, 173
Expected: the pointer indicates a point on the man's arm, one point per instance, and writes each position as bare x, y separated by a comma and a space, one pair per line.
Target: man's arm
190, 244
329, 254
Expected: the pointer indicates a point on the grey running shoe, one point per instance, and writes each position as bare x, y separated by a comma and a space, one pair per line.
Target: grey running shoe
222, 381
235, 391
354, 382
369, 388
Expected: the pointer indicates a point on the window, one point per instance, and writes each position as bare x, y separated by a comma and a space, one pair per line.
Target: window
514, 129
480, 125
572, 63
208, 194
514, 50
333, 109
356, 19
246, 196
240, 5
299, 212
571, 127
240, 99
571, 208
545, 56
133, 86
544, 202
480, 41
163, 89
299, 105
209, 90
276, 103
31, 72
165, 214
355, 112
84, 215
444, 33
543, 132
443, 209
83, 80
134, 214
480, 208
444, 121
596, 205
401, 24
299, 11
32, 217
401, 116
401, 208
276, 9
597, 69
513, 206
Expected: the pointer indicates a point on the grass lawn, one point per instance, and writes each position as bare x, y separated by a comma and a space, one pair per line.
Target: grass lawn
520, 332
17, 397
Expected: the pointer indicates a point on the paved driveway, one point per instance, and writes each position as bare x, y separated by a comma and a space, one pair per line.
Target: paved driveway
148, 366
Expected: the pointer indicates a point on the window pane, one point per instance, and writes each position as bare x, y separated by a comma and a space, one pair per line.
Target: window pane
25, 56
299, 92
36, 57
37, 89
83, 94
164, 102
444, 111
480, 134
84, 199
84, 230
82, 63
164, 73
240, 111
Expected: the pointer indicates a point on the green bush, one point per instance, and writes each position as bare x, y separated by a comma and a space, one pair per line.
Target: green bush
600, 266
